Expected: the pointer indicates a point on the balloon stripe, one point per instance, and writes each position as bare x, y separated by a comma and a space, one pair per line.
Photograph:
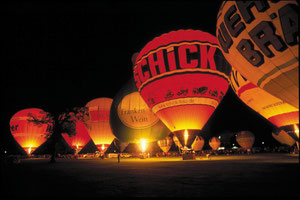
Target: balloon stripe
275, 70
246, 87
171, 45
185, 101
185, 71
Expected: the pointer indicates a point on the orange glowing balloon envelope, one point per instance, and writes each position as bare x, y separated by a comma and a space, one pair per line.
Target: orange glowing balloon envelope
165, 144
245, 139
198, 143
98, 122
275, 110
261, 40
28, 134
81, 138
284, 138
214, 143
182, 76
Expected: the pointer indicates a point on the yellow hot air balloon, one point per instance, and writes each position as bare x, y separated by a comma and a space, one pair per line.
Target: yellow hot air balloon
284, 138
245, 139
165, 144
198, 143
214, 143
131, 119
98, 122
260, 39
275, 110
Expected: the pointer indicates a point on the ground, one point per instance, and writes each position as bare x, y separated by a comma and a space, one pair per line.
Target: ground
234, 176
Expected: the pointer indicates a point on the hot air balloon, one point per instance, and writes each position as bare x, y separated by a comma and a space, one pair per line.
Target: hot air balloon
275, 110
260, 39
198, 143
81, 138
283, 137
245, 139
28, 134
98, 122
132, 121
214, 143
165, 144
182, 76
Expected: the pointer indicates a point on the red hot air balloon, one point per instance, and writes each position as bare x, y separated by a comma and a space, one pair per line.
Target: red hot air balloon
81, 138
98, 122
28, 134
182, 76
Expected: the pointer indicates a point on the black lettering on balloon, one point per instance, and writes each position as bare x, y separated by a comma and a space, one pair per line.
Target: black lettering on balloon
289, 23
245, 9
232, 19
246, 49
263, 34
224, 38
234, 75
14, 128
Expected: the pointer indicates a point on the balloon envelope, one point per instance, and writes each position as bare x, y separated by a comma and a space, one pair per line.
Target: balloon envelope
132, 120
260, 40
28, 134
182, 76
97, 123
270, 107
165, 144
284, 138
245, 139
214, 143
198, 143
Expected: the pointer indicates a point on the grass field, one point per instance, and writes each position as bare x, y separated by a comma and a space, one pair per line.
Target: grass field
258, 175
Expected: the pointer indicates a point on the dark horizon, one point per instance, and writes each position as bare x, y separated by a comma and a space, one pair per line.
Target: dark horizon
61, 55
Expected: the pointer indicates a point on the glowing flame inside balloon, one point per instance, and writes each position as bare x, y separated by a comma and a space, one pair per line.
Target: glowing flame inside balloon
143, 145
103, 147
296, 128
29, 150
186, 136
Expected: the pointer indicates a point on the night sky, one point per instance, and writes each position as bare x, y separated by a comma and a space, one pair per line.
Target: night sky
63, 55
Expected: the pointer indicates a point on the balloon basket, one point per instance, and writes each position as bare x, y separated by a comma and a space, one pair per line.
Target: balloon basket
143, 156
188, 154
